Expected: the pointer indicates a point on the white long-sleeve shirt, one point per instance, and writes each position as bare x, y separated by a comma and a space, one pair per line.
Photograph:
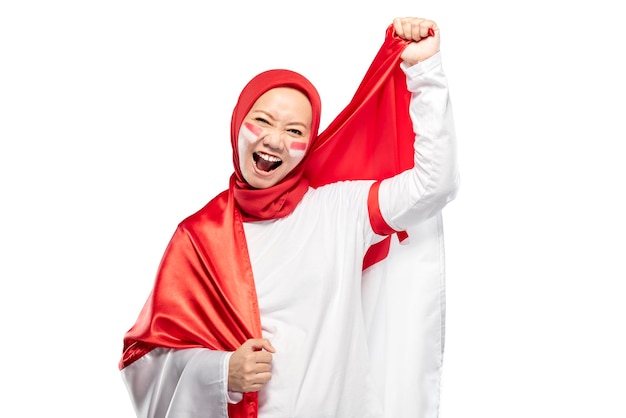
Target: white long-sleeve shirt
307, 269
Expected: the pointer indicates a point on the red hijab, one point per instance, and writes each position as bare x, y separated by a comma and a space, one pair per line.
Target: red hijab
279, 200
204, 293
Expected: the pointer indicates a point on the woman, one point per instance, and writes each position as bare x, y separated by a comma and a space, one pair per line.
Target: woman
257, 304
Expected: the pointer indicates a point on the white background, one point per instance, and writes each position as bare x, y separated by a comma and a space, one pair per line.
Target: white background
114, 126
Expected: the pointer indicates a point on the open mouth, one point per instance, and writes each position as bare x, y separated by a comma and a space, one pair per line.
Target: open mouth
266, 162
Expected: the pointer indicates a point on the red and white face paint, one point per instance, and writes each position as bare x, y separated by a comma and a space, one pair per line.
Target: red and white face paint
249, 132
274, 136
297, 149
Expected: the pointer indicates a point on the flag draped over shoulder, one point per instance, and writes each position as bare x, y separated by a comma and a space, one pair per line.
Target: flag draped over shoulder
196, 302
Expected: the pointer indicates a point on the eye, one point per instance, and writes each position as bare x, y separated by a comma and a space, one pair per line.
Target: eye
295, 131
261, 120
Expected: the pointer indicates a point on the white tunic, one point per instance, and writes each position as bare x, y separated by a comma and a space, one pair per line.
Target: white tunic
307, 270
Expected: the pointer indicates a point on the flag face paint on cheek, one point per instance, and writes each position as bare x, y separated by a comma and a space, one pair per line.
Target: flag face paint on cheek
250, 132
248, 135
297, 149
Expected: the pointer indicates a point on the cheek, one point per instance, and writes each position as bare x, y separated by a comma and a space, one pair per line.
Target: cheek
249, 132
242, 147
248, 135
297, 149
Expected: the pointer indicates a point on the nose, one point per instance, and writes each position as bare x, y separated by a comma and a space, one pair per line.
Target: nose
273, 140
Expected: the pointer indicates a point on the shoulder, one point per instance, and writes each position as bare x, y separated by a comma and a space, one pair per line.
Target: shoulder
212, 211
349, 192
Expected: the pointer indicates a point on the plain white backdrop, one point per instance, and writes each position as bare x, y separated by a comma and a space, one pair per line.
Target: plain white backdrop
114, 126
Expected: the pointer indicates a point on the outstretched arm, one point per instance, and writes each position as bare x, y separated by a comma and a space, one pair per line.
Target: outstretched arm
421, 192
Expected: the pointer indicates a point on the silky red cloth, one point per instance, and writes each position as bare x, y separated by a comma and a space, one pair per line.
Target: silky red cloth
204, 293
372, 137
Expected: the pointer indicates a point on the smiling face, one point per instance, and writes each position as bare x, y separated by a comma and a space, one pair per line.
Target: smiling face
274, 136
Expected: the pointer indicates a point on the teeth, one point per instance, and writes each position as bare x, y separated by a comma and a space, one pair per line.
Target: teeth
269, 158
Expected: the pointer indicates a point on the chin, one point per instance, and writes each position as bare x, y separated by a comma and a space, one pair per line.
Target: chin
262, 183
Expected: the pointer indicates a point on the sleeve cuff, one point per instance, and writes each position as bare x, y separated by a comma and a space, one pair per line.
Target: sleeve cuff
232, 397
414, 71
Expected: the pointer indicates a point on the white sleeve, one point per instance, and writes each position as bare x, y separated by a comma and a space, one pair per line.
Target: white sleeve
421, 192
180, 383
